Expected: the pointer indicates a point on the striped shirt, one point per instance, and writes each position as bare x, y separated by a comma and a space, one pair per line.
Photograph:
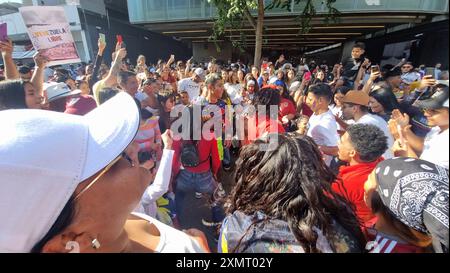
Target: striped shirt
382, 243
148, 134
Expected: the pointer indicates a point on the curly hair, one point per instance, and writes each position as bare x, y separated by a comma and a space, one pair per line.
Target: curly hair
291, 183
368, 140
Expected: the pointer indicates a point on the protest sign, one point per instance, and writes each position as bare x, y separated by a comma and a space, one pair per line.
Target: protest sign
49, 31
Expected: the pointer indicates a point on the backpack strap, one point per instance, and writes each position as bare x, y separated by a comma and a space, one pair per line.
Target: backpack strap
208, 158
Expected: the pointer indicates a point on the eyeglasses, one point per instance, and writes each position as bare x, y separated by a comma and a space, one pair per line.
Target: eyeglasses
105, 170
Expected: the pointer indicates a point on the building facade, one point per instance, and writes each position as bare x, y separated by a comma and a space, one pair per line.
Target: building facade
190, 21
88, 18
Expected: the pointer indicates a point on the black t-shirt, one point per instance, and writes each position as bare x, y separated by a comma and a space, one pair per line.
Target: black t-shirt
351, 68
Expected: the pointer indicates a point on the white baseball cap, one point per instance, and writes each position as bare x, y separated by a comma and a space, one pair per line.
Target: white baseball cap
45, 155
59, 90
200, 72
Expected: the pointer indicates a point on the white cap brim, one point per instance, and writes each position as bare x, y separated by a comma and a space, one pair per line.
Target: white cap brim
65, 95
112, 127
45, 155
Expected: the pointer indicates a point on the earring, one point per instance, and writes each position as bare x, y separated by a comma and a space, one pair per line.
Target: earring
95, 244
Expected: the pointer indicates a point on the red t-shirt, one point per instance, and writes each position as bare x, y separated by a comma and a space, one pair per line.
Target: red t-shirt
287, 107
206, 148
306, 110
352, 187
264, 126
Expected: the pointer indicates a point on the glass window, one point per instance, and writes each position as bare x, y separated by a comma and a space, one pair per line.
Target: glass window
178, 9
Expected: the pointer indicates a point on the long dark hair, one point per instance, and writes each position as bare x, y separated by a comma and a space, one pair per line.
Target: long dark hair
386, 98
164, 117
62, 222
296, 188
12, 95
286, 94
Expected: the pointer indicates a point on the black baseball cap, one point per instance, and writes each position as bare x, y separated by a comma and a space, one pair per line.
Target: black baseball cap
24, 70
439, 99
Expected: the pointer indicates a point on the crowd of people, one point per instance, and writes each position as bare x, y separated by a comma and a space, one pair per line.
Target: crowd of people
90, 160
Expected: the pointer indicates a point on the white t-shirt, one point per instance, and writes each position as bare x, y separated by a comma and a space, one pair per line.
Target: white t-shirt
234, 91
411, 77
323, 129
172, 240
382, 124
190, 86
435, 148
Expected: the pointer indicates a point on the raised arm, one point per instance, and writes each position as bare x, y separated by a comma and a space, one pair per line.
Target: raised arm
361, 72
171, 60
162, 180
11, 72
38, 75
368, 86
98, 60
403, 120
188, 68
111, 79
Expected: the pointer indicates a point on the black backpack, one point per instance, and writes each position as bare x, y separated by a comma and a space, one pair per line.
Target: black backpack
189, 155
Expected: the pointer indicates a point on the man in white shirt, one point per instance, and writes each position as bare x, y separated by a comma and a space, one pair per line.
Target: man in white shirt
322, 125
148, 96
355, 106
192, 85
435, 146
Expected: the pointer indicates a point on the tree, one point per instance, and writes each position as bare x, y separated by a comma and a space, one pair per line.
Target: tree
233, 14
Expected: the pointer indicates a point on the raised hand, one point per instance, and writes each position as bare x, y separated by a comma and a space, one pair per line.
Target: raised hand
101, 45
400, 119
40, 61
121, 54
6, 48
426, 82
375, 75
393, 128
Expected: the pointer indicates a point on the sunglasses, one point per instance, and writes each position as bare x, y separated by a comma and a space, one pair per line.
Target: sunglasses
105, 170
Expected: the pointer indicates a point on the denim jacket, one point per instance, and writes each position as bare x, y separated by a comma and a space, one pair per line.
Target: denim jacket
274, 236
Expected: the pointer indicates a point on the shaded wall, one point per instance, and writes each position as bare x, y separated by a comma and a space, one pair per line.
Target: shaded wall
138, 40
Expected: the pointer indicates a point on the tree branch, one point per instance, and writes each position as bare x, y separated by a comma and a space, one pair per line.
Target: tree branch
249, 17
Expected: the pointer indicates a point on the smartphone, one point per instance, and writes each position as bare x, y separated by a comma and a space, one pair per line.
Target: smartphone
102, 37
119, 39
4, 32
375, 68
429, 71
307, 76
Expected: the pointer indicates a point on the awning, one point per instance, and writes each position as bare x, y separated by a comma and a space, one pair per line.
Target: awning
20, 55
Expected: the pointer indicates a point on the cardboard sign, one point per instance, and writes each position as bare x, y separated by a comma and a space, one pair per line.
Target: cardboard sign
49, 31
